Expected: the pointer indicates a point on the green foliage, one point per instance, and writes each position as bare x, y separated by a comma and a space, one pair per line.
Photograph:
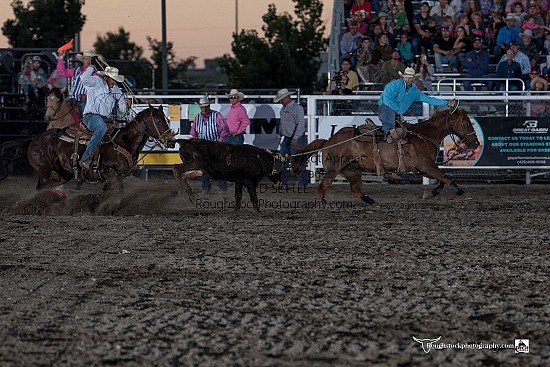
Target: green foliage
288, 54
117, 46
44, 23
177, 69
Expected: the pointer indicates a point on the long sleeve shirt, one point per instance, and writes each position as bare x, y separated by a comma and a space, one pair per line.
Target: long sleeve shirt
209, 127
479, 66
508, 35
293, 123
237, 119
350, 43
506, 70
102, 99
523, 61
77, 87
397, 97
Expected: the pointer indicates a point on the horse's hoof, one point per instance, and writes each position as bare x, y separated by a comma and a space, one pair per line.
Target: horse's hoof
323, 202
367, 200
426, 195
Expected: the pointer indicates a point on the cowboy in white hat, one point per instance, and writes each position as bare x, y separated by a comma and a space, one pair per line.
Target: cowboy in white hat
237, 118
292, 133
528, 47
397, 97
105, 99
77, 93
507, 35
209, 125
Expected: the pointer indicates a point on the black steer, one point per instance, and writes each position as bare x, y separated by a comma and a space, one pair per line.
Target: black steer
245, 165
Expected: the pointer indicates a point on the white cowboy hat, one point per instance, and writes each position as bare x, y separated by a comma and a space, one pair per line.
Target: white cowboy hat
281, 94
85, 53
235, 92
112, 73
204, 101
527, 33
408, 73
511, 16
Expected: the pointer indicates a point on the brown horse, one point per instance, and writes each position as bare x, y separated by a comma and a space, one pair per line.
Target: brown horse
58, 114
344, 153
47, 152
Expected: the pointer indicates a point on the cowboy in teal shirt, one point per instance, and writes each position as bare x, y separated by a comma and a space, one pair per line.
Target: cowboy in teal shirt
398, 96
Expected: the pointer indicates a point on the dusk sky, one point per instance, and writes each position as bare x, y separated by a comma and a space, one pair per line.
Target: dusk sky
197, 28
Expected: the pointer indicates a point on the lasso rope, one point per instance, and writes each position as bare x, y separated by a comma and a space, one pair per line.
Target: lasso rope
457, 102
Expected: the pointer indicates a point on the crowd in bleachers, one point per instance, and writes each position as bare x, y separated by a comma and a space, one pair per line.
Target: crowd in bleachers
466, 38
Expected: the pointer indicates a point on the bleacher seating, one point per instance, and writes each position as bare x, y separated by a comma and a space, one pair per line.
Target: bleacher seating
493, 61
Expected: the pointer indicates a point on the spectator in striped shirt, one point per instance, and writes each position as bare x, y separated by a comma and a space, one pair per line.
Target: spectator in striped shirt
77, 92
209, 125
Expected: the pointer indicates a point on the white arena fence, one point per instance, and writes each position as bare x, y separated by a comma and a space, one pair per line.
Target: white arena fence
514, 144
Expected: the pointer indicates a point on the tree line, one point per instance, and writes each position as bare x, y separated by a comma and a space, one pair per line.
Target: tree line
286, 55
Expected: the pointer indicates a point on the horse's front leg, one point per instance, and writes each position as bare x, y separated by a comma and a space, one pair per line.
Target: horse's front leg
457, 190
435, 172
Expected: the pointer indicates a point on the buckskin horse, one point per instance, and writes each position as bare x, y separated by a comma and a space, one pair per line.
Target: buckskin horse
50, 152
346, 153
58, 113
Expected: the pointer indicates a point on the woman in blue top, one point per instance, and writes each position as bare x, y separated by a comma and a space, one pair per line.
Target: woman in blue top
397, 97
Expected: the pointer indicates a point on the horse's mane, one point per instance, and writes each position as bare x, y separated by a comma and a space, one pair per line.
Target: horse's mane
57, 92
436, 115
144, 111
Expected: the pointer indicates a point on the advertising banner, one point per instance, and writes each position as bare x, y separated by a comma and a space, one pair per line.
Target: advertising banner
515, 142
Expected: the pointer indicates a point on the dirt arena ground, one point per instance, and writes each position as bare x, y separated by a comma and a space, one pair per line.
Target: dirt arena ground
146, 278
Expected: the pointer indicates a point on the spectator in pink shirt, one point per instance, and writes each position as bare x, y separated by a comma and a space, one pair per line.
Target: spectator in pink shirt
237, 118
77, 94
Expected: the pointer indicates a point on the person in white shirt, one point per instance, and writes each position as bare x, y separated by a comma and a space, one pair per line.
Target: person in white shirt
104, 99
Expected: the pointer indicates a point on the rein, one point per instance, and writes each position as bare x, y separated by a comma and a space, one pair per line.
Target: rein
150, 134
57, 109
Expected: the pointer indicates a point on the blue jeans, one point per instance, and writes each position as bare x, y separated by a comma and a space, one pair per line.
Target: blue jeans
468, 83
81, 104
96, 124
287, 148
237, 139
26, 88
387, 117
440, 59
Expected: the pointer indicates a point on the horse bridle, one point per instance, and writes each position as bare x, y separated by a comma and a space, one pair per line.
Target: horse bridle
162, 137
462, 125
57, 109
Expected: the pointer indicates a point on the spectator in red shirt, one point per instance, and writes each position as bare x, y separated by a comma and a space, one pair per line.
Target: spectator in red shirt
364, 7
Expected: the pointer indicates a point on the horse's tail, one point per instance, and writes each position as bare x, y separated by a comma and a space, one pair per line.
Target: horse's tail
12, 152
302, 154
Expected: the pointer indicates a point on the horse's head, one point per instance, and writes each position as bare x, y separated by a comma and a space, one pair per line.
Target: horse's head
157, 125
54, 99
460, 124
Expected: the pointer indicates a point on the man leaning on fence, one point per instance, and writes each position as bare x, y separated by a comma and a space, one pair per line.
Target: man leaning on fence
292, 132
